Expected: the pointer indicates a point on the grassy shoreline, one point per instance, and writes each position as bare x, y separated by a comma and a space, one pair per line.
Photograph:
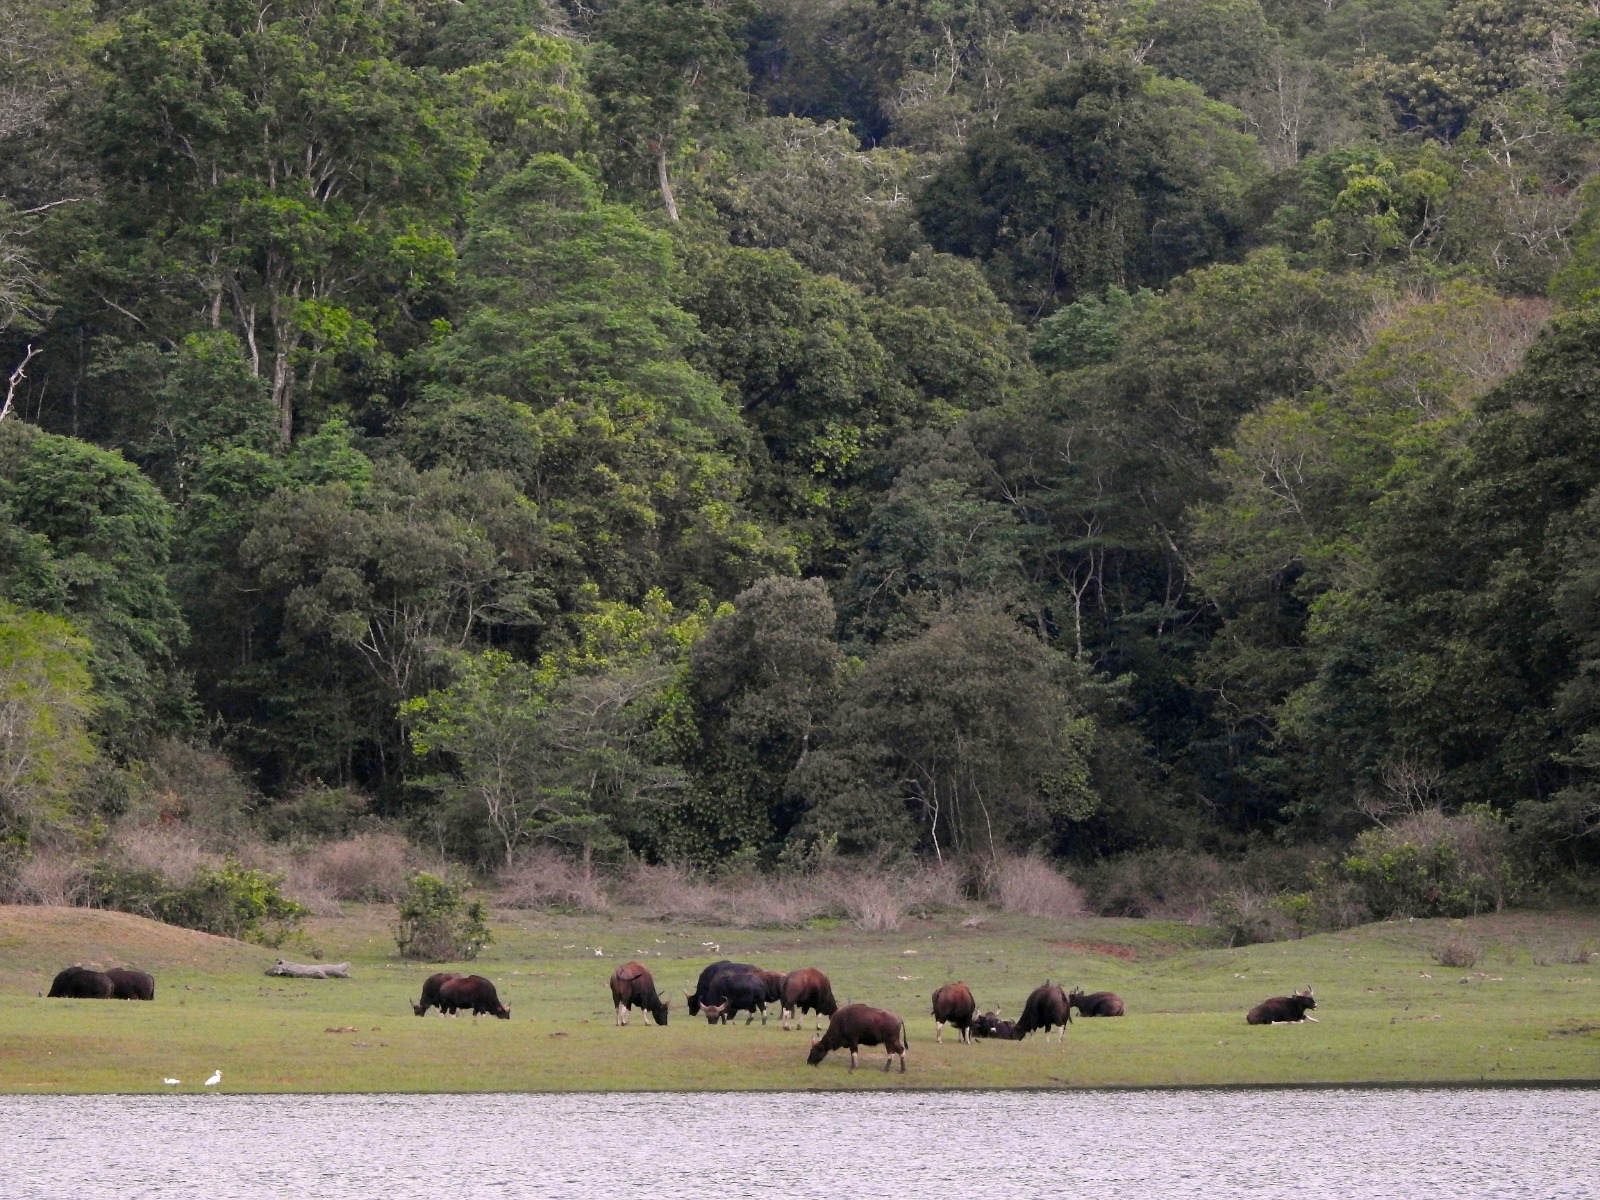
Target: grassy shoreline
1389, 1014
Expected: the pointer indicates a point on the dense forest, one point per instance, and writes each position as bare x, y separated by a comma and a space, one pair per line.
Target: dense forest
768, 431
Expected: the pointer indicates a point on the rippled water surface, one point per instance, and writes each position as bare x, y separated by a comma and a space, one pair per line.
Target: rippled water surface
711, 1146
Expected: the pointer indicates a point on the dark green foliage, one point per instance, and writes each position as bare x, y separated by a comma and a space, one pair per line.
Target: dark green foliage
1100, 176
1137, 387
84, 535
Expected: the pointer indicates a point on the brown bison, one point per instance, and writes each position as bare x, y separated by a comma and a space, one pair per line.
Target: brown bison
128, 984
857, 1025
1096, 1004
472, 992
953, 1005
1045, 1009
632, 986
1282, 1009
82, 983
806, 990
430, 992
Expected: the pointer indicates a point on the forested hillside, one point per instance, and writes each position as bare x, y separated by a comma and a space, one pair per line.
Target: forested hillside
764, 431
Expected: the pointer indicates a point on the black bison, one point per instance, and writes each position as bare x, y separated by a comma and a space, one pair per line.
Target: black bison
806, 990
632, 986
953, 1005
128, 984
732, 992
1045, 1009
698, 997
430, 992
857, 1025
1281, 1009
472, 992
82, 983
989, 1025
1096, 1004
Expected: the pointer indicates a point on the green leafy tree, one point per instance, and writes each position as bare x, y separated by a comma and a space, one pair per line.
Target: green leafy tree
283, 171
85, 536
758, 689
45, 705
1101, 175
976, 727
665, 72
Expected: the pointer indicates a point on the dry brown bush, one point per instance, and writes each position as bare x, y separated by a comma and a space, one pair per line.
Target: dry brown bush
1457, 949
544, 879
368, 866
302, 885
1031, 886
174, 851
668, 892
49, 876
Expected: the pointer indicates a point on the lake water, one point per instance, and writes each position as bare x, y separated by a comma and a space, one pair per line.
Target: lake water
1530, 1144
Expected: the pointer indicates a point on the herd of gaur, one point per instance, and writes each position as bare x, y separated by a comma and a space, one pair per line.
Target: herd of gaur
726, 989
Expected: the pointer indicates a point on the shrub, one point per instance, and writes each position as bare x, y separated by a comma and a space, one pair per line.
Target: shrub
238, 902
230, 900
437, 924
544, 879
1433, 865
369, 866
48, 876
1457, 950
1035, 888
1249, 917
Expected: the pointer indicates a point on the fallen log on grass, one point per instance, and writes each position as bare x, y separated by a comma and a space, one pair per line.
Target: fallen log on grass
310, 970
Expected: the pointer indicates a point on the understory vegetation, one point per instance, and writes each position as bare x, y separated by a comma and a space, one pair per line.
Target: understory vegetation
794, 460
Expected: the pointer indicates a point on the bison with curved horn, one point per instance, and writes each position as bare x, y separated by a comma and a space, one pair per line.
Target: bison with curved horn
1282, 1010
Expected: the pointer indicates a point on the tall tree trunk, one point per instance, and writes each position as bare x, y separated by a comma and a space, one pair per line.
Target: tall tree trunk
666, 182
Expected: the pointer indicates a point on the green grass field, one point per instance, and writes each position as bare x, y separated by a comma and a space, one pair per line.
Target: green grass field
1387, 1011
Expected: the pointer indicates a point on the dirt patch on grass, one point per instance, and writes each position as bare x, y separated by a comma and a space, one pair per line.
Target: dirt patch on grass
1109, 949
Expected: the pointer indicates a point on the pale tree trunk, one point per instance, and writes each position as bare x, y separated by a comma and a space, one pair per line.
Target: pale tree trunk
666, 182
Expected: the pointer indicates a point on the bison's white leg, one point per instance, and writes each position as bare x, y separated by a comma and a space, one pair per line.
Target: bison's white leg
938, 1034
852, 1058
622, 1014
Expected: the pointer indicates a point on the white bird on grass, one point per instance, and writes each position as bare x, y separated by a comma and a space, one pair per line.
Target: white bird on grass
216, 1078
172, 1082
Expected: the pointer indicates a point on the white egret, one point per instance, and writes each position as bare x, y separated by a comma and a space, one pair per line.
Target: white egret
172, 1082
216, 1078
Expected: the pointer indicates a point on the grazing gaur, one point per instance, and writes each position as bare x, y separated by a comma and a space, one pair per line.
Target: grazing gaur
632, 986
732, 992
471, 992
806, 990
698, 997
989, 1025
953, 1005
128, 984
857, 1025
430, 992
1282, 1010
1045, 1009
82, 983
1096, 1004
